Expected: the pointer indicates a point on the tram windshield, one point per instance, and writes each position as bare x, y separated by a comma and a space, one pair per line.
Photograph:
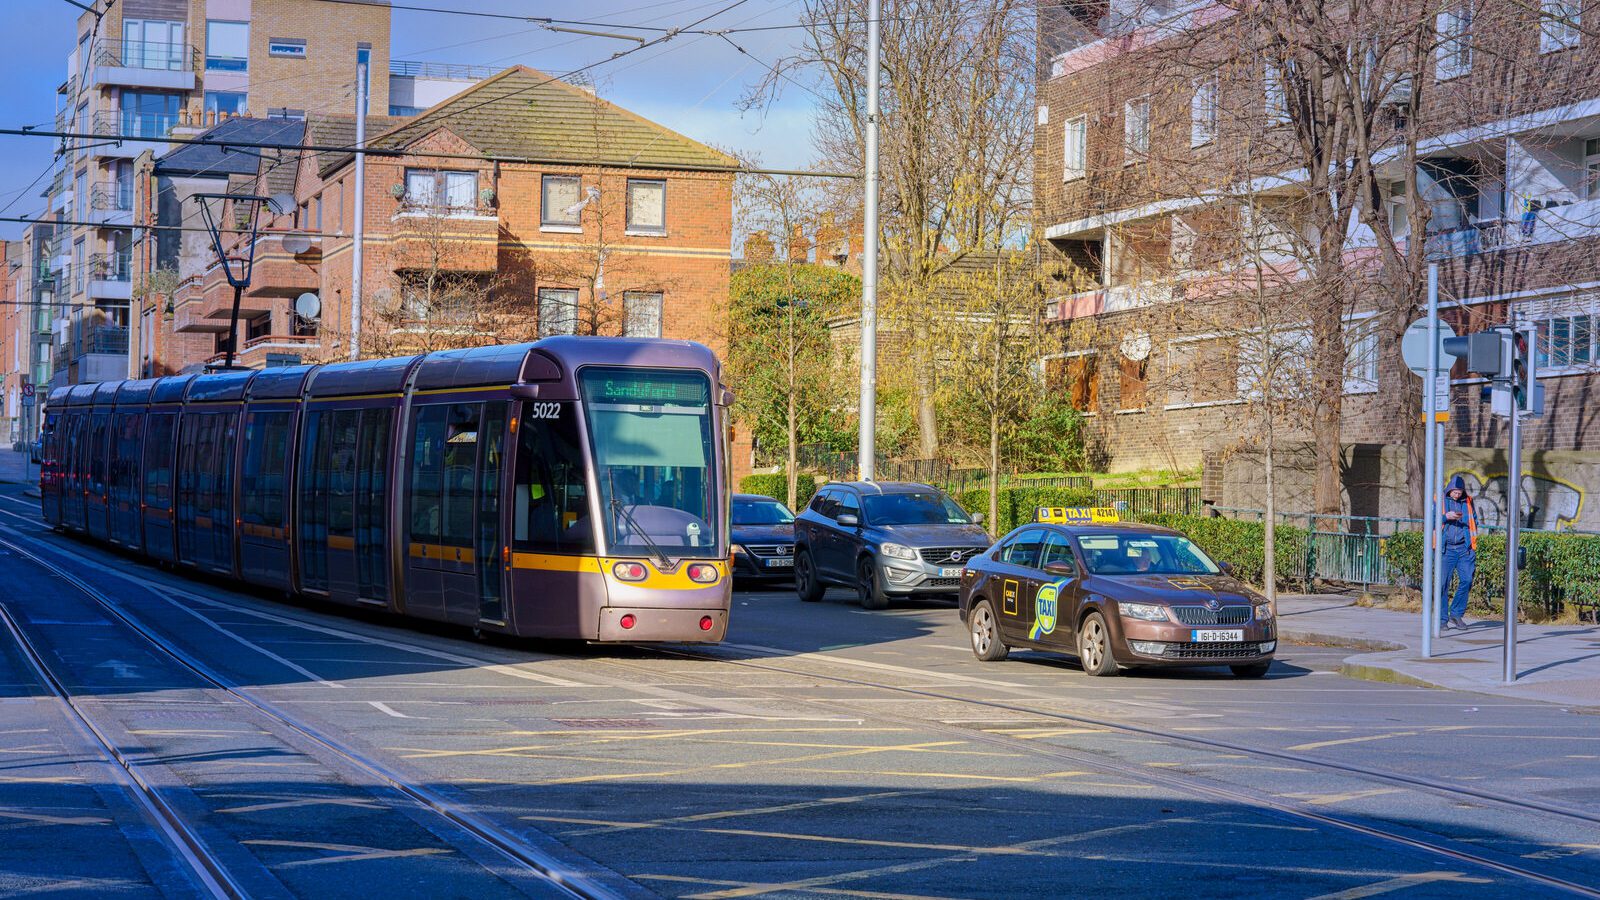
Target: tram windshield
651, 432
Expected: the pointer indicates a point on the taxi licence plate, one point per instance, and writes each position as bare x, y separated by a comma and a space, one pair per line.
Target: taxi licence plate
1209, 636
949, 573
780, 561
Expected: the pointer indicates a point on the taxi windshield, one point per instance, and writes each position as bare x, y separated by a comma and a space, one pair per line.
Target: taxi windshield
761, 512
1144, 554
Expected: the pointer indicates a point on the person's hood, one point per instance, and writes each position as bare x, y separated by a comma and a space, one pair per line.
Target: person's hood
1457, 483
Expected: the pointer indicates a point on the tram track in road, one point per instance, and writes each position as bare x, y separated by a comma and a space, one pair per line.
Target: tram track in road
1198, 785
181, 833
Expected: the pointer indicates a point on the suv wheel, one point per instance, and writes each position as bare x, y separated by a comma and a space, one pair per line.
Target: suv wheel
872, 596
806, 583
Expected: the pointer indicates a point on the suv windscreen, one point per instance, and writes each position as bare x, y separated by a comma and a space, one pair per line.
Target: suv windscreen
914, 508
761, 512
1144, 554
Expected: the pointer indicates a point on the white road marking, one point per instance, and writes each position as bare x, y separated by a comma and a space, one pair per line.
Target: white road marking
384, 708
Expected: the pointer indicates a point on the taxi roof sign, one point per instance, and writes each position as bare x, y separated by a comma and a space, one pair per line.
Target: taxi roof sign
1078, 515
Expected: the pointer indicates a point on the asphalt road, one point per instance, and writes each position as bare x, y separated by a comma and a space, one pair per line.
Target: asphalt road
824, 751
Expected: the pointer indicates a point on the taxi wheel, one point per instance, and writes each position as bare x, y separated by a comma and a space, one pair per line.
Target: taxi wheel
872, 596
1251, 670
805, 578
985, 631
1094, 647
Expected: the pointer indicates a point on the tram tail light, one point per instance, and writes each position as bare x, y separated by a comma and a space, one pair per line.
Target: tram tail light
628, 571
627, 621
702, 573
706, 623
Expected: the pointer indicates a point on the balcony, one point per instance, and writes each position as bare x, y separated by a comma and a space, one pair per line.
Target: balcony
445, 239
115, 124
1548, 225
111, 276
279, 273
106, 339
143, 64
271, 350
111, 204
1118, 298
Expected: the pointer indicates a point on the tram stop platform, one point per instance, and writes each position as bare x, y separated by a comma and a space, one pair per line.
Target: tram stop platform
1555, 663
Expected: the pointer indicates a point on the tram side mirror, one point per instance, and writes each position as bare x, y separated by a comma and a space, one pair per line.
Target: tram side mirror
848, 521
1060, 569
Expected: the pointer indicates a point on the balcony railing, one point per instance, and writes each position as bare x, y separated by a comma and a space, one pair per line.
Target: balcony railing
446, 71
111, 267
112, 196
107, 339
163, 57
135, 124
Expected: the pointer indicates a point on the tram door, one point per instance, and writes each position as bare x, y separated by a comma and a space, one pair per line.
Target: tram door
453, 567
490, 549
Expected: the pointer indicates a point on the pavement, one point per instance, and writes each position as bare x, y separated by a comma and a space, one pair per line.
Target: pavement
1555, 663
15, 468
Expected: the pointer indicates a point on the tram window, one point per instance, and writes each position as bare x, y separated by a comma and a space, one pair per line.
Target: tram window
264, 470
124, 464
427, 466
205, 455
372, 467
341, 471
158, 461
313, 502
460, 467
97, 456
551, 496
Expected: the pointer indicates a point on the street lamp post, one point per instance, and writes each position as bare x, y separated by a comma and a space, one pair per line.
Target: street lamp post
239, 279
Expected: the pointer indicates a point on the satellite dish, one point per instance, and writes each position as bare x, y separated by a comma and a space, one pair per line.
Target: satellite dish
1136, 346
296, 243
308, 306
281, 204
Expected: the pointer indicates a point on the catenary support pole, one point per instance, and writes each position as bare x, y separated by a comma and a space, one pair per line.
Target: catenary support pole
867, 452
1430, 469
358, 229
1513, 529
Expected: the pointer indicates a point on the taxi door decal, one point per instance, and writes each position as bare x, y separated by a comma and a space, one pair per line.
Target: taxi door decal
1045, 605
1008, 595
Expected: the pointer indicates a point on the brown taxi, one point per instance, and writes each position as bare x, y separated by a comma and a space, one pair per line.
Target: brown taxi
1117, 595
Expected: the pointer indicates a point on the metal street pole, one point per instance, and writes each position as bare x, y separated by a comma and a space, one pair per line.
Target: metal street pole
358, 230
1430, 468
867, 452
1513, 524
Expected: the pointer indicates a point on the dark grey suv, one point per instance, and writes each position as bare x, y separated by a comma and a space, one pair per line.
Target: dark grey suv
885, 539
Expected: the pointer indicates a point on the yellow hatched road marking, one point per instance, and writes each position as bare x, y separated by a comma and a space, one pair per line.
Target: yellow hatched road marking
1561, 851
795, 836
352, 852
957, 776
53, 820
838, 892
1401, 883
750, 811
587, 779
857, 747
1330, 799
1318, 745
309, 801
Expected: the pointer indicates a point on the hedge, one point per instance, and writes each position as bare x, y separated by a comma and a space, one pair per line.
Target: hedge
1019, 505
1562, 568
777, 485
1241, 543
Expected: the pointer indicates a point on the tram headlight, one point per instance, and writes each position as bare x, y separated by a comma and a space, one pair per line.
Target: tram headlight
629, 571
701, 573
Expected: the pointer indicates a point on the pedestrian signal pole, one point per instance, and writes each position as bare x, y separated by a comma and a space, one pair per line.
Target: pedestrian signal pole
1430, 467
868, 405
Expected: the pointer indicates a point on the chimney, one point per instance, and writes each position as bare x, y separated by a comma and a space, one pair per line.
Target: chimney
799, 247
758, 247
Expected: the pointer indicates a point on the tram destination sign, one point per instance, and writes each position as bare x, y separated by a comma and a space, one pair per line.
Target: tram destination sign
686, 389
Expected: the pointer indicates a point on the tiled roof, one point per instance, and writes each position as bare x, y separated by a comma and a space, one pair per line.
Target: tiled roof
524, 113
209, 159
329, 130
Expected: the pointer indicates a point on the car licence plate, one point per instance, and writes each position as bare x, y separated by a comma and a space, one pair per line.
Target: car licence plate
949, 573
1209, 636
780, 562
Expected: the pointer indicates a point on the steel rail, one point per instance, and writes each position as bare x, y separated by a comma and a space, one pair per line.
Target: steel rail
186, 845
513, 848
1191, 784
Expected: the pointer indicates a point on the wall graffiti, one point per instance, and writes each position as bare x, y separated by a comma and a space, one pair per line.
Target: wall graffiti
1547, 503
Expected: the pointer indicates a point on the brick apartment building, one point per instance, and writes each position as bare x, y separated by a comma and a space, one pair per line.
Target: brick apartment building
589, 219
1148, 110
150, 70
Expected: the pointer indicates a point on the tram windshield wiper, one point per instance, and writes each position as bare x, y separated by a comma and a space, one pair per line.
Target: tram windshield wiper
619, 509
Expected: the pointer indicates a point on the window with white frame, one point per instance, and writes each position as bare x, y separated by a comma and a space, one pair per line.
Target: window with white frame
1205, 370
1567, 341
1559, 24
647, 206
1135, 130
1074, 146
641, 314
1394, 202
1271, 365
1275, 97
1203, 113
558, 201
1591, 168
1454, 27
227, 46
443, 191
1361, 356
558, 311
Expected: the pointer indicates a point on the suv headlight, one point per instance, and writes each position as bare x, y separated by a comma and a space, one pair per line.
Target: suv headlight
1263, 612
1149, 612
897, 551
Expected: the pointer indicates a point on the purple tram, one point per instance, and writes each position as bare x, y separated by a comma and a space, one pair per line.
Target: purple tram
570, 488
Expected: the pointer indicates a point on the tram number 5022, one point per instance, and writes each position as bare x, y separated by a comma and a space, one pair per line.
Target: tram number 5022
544, 410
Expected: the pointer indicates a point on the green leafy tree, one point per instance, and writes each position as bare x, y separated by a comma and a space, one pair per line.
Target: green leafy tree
780, 352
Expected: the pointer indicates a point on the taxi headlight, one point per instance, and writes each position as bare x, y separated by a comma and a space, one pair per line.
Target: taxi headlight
897, 551
1264, 612
1148, 612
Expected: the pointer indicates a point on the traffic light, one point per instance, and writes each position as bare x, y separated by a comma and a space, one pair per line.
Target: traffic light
1525, 387
1481, 351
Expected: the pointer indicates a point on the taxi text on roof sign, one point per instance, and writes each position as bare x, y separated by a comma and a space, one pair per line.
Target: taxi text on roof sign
1078, 515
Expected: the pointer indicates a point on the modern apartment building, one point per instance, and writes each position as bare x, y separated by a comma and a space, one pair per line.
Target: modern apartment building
1166, 141
589, 220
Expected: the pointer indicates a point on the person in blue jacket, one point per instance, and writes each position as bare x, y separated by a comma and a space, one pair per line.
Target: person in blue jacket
1459, 535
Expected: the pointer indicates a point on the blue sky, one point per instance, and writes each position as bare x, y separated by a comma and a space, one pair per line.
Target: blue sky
691, 83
